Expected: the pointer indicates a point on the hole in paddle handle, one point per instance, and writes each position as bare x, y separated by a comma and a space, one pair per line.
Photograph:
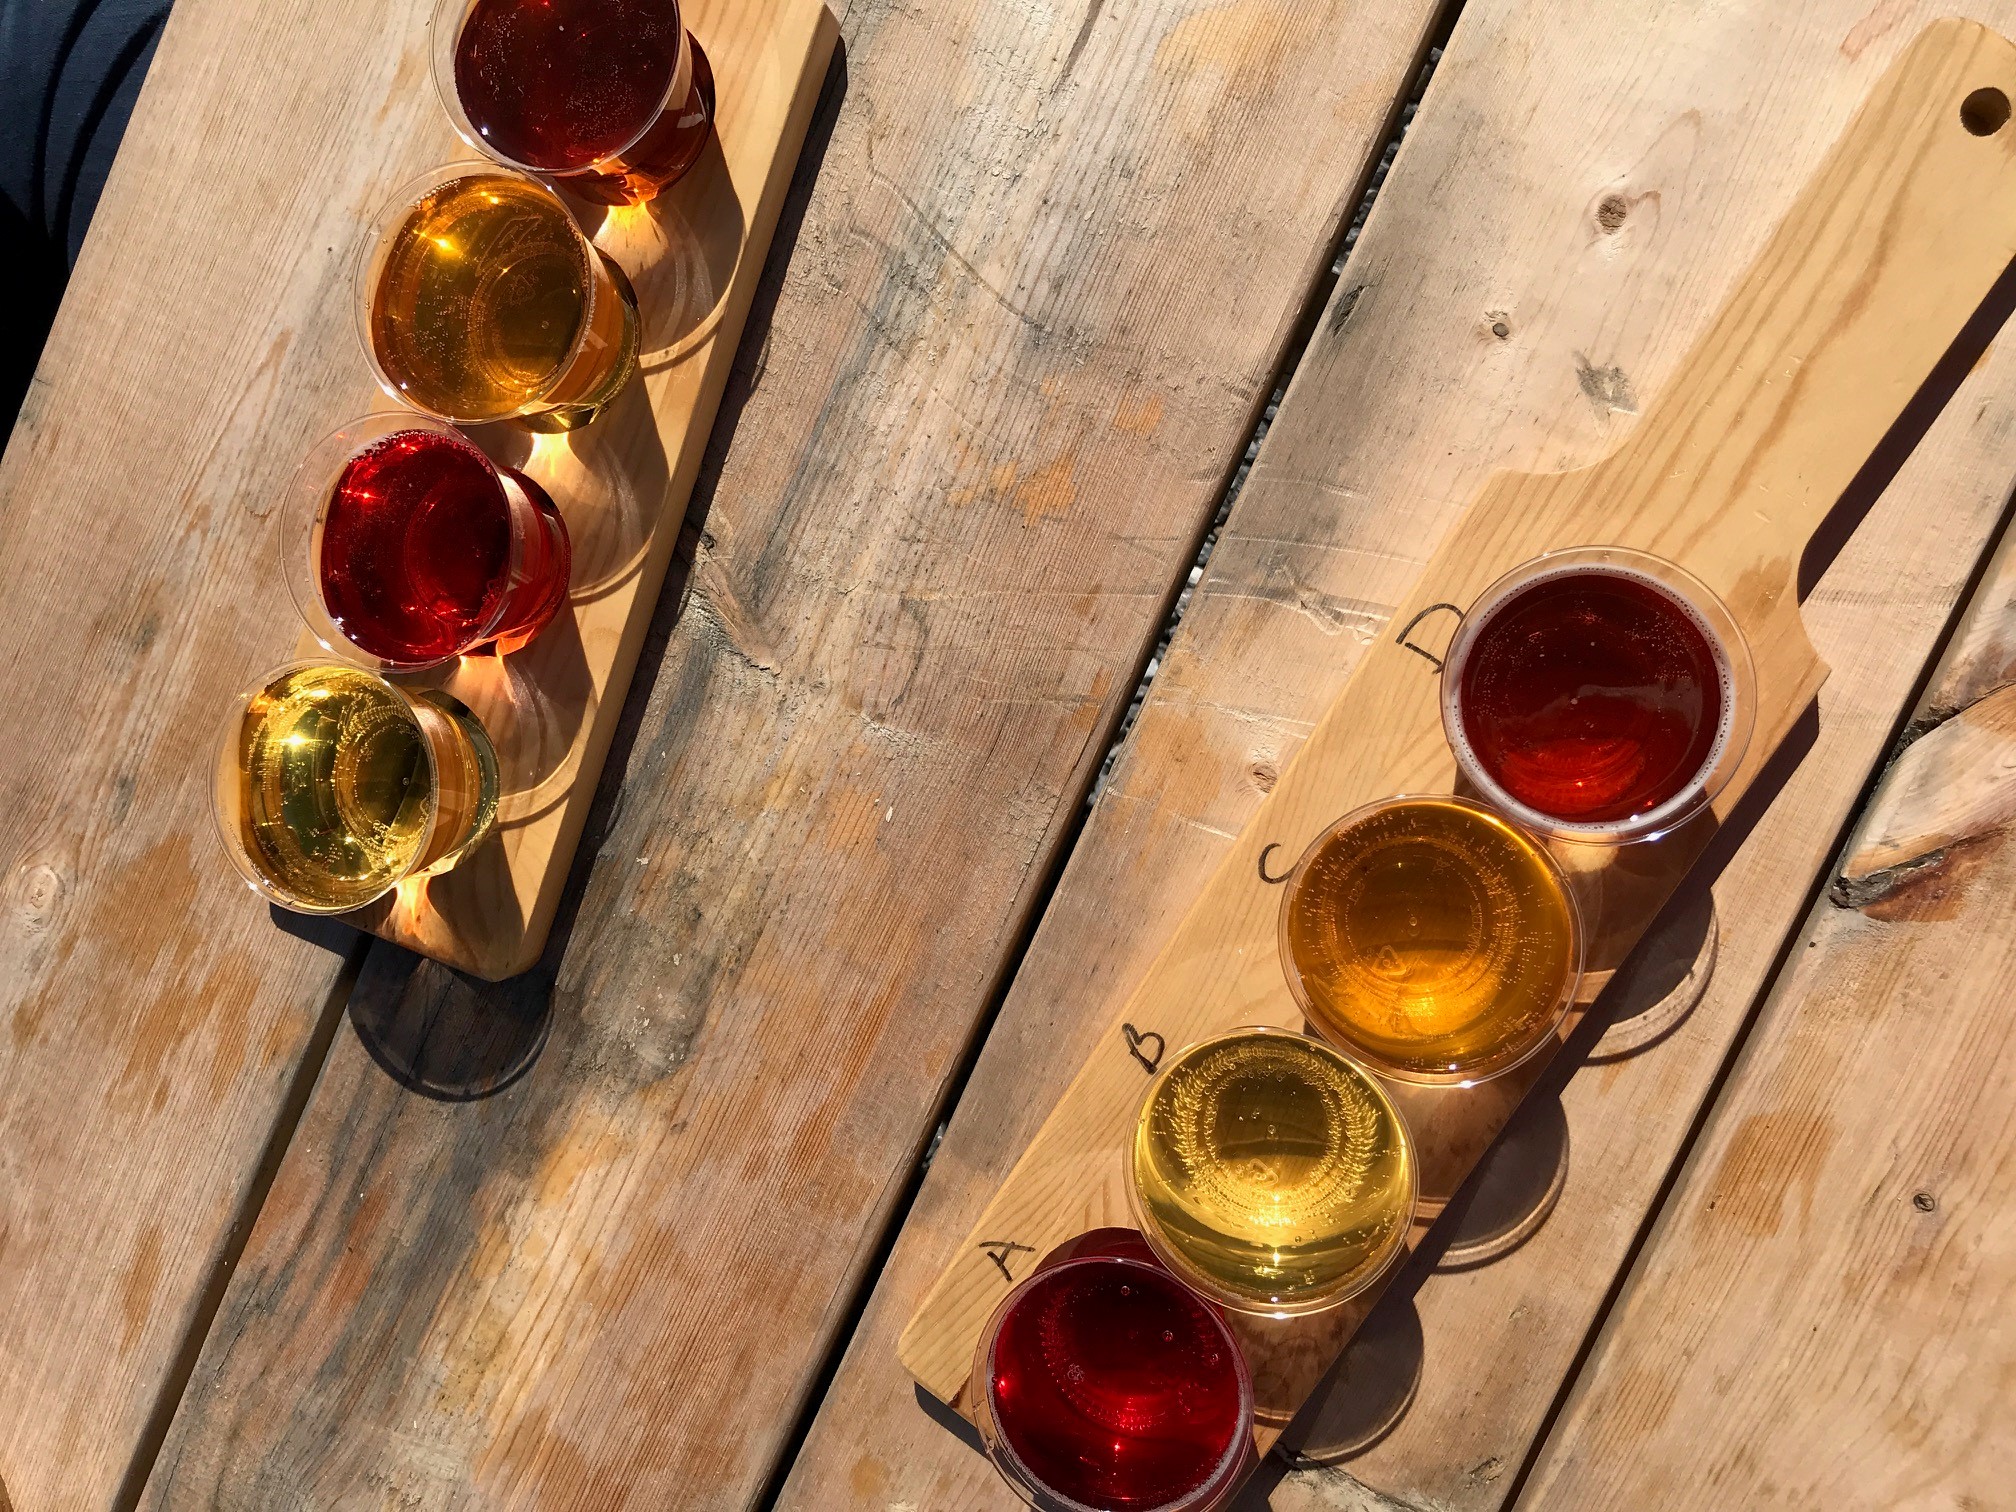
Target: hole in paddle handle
1985, 112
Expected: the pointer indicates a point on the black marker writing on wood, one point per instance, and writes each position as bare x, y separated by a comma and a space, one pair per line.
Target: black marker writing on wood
998, 1250
1137, 1047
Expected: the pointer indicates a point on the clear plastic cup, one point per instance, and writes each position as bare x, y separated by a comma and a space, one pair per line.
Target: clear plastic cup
1431, 939
1271, 1173
404, 546
1599, 694
1077, 1362
332, 785
480, 298
612, 98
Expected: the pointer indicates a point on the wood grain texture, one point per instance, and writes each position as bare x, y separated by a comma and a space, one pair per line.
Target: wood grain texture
693, 255
1884, 258
1820, 1316
1599, 229
154, 1016
156, 1019
1033, 301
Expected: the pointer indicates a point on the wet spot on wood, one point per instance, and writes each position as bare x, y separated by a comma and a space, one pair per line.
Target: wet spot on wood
351, 1276
1645, 1397
1240, 45
1772, 1156
1880, 19
221, 1002
1040, 493
869, 1478
1047, 492
534, 1456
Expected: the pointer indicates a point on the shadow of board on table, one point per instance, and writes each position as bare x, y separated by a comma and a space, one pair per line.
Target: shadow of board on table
70, 71
451, 1036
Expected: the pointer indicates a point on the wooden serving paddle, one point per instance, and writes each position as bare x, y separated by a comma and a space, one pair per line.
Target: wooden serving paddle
1811, 373
694, 256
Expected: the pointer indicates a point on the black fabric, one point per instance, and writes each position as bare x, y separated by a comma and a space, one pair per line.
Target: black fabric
69, 73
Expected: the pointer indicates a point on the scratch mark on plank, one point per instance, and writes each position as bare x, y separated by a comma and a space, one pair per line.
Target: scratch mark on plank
954, 253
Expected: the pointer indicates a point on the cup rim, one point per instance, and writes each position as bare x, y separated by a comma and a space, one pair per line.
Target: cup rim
1172, 1258
1209, 1493
392, 215
441, 44
1684, 591
1385, 1066
226, 776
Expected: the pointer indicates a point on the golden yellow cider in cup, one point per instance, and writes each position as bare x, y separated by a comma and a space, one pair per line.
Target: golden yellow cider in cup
1271, 1173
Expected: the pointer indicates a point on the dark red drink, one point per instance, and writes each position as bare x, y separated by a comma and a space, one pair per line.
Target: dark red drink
1111, 1384
421, 557
1592, 696
566, 86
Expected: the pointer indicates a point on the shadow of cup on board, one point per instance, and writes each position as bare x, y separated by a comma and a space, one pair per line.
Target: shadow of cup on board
1366, 1393
1659, 984
533, 701
1512, 1190
612, 478
681, 251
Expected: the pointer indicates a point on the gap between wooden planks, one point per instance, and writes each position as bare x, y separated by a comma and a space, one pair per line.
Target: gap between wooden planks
1593, 268
1820, 1316
1033, 302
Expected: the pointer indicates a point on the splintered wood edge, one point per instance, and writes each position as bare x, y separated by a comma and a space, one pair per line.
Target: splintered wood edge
491, 915
1886, 254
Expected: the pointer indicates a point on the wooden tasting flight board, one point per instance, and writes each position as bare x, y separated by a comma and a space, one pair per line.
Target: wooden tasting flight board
694, 256
1889, 250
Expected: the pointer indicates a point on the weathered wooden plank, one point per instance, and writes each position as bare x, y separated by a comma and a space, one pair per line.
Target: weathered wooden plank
158, 1022
1598, 227
1820, 1315
154, 1018
1037, 295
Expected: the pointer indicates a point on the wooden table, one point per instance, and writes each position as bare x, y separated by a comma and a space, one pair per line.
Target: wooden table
290, 1222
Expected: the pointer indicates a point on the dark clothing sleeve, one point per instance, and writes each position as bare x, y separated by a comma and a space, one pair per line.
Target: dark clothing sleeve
69, 73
